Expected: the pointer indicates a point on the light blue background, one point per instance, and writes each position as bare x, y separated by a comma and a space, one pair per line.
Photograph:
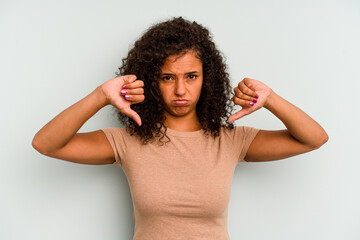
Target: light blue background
53, 53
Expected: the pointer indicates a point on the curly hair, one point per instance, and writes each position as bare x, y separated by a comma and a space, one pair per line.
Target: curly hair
145, 60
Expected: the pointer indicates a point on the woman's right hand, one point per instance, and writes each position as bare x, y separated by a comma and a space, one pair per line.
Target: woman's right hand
123, 91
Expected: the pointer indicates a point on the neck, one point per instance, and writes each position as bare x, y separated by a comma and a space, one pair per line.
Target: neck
189, 123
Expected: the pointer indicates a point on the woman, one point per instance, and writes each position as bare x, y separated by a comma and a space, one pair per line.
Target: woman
179, 155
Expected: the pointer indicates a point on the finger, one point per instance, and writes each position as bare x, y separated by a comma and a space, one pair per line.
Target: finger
135, 84
242, 102
238, 115
135, 98
243, 96
245, 87
136, 91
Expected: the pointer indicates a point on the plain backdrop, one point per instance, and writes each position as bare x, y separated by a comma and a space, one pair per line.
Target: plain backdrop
54, 53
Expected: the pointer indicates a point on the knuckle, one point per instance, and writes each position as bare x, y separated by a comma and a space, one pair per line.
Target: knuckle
131, 78
241, 85
236, 100
246, 89
239, 94
249, 85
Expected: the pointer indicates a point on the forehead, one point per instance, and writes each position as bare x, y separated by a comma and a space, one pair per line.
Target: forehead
183, 63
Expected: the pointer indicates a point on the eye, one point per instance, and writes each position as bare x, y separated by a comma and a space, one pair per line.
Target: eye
192, 76
166, 78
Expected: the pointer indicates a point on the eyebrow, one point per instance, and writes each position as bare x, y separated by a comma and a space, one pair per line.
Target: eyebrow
171, 74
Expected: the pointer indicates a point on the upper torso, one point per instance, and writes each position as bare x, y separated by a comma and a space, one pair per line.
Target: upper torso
181, 190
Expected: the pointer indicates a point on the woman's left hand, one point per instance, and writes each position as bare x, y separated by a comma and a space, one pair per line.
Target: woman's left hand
251, 95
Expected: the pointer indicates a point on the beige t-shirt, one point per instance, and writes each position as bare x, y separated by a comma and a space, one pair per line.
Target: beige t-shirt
181, 190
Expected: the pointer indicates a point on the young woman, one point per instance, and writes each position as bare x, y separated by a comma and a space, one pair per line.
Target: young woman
179, 147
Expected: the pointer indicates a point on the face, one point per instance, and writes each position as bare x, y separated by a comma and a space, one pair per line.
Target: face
180, 84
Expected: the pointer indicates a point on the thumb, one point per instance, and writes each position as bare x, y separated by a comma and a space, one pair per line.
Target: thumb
238, 115
127, 110
132, 114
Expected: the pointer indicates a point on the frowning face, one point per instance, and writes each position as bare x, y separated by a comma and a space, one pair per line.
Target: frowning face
180, 84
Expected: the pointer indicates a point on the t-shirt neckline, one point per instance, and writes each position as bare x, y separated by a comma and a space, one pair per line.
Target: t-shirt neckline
176, 133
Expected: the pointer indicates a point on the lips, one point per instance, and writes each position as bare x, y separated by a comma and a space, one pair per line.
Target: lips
180, 102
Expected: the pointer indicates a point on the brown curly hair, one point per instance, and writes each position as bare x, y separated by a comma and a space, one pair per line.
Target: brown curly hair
145, 59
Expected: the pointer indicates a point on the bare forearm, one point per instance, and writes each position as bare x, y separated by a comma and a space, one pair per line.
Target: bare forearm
300, 125
65, 125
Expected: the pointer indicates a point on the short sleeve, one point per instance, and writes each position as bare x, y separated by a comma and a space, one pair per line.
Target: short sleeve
116, 138
242, 137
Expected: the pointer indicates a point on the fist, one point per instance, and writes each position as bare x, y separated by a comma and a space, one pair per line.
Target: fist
123, 91
251, 95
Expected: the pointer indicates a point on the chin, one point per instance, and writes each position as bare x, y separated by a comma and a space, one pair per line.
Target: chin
179, 112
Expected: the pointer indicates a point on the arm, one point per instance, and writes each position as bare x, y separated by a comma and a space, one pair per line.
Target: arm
59, 137
303, 134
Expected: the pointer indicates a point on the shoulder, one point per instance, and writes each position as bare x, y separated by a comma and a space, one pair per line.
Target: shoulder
117, 133
114, 130
238, 131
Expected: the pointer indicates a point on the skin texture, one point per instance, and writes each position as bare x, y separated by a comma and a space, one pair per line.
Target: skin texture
60, 139
132, 92
303, 134
181, 78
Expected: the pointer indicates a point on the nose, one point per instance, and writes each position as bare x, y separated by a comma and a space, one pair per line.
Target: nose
180, 87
